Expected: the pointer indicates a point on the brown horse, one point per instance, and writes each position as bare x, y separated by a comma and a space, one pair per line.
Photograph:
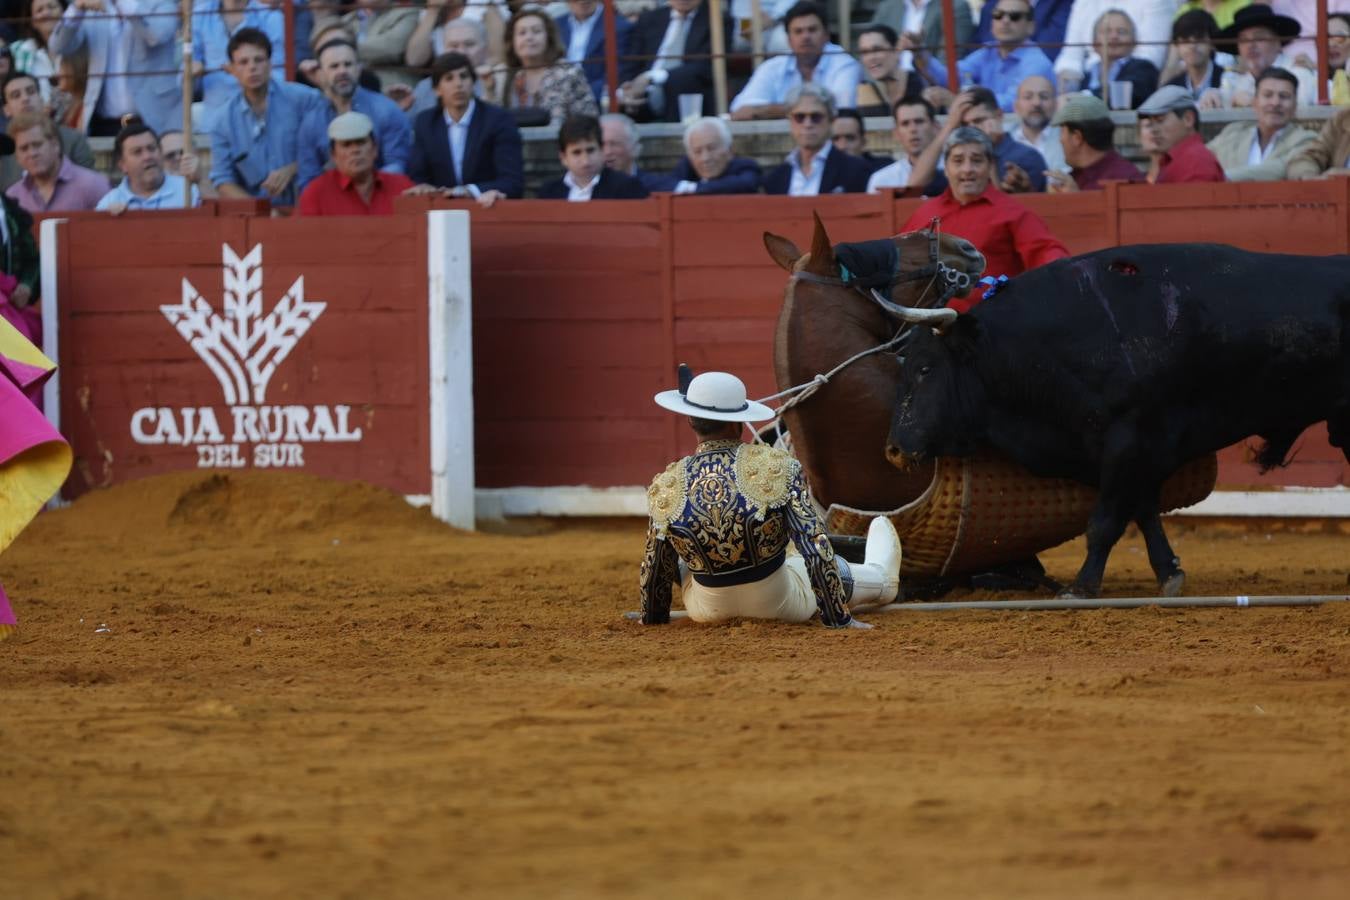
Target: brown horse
821, 325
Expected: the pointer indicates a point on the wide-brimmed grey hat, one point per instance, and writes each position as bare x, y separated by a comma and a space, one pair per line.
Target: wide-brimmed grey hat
1168, 98
715, 395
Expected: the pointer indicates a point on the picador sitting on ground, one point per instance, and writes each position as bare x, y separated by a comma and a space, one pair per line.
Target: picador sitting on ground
722, 520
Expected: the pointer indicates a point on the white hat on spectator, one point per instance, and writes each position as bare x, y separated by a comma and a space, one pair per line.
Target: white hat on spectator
350, 126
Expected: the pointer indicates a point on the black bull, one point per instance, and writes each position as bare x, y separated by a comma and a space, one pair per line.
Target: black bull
1117, 367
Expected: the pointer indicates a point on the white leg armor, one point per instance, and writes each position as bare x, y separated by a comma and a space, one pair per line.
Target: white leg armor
877, 580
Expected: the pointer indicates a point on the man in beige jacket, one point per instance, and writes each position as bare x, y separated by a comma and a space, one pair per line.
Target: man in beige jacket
1261, 150
1328, 154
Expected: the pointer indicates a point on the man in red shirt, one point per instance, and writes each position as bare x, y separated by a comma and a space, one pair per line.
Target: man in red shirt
353, 187
1085, 134
1011, 237
1169, 132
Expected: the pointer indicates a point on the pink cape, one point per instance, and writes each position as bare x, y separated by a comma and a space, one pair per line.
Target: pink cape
24, 428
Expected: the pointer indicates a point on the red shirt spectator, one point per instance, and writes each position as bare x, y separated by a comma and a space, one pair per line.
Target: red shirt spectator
335, 194
1169, 125
353, 187
1011, 237
1189, 160
1111, 167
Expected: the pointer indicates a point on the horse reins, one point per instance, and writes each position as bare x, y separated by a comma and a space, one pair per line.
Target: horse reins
953, 281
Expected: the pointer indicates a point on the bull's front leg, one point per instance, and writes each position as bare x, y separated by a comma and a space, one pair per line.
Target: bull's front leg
1166, 566
1118, 490
1105, 526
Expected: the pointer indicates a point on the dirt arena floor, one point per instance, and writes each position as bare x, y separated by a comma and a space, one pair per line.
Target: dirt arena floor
272, 686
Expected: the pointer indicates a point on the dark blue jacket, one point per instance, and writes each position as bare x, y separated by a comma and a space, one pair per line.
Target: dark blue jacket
1143, 75
742, 176
1007, 150
613, 186
694, 74
594, 66
492, 154
1052, 18
844, 174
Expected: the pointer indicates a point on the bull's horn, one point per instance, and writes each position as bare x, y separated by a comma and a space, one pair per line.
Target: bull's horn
934, 318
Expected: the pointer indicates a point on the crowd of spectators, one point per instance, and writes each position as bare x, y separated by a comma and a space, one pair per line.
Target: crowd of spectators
429, 97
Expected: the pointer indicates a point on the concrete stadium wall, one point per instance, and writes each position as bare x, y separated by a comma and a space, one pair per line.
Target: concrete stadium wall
580, 315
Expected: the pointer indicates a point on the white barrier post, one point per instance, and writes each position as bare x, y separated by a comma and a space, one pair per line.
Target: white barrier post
450, 311
51, 391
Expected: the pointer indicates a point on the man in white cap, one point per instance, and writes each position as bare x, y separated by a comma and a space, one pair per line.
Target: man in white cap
722, 520
353, 187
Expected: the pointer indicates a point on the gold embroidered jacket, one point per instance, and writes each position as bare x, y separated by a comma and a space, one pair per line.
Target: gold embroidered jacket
730, 508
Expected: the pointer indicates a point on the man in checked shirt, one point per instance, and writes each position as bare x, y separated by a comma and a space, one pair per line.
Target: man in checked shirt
722, 520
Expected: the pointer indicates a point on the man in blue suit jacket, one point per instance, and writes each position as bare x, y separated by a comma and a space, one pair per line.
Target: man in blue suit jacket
652, 93
708, 166
150, 86
587, 177
815, 167
464, 145
582, 31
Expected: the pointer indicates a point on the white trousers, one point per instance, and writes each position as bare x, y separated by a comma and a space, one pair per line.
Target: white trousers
785, 595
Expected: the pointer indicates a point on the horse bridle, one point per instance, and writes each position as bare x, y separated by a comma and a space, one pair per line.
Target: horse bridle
950, 281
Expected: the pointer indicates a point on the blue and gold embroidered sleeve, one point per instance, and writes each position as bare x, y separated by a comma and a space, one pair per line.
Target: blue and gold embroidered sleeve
814, 546
660, 569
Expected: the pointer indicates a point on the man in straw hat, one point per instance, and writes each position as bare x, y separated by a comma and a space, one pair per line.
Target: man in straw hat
722, 520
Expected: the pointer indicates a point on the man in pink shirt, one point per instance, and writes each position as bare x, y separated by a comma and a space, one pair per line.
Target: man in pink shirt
50, 182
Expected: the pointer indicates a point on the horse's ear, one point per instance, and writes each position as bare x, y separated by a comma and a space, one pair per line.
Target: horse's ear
781, 250
822, 260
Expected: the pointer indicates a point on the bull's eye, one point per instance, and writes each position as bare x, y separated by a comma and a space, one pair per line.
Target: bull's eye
924, 370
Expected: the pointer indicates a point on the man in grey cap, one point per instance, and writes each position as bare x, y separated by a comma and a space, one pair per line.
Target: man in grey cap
1085, 133
353, 187
1169, 132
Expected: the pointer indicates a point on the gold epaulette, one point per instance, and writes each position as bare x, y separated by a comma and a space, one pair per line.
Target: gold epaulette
665, 495
763, 475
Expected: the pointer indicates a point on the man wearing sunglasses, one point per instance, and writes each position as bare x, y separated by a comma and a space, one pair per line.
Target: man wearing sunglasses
1051, 18
1000, 65
814, 60
815, 167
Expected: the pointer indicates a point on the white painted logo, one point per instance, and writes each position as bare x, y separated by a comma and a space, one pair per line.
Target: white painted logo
243, 348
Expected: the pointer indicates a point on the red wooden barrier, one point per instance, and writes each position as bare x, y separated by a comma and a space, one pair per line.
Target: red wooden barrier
580, 314
138, 397
713, 298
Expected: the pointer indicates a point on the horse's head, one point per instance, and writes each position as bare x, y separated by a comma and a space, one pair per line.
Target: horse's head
930, 258
931, 266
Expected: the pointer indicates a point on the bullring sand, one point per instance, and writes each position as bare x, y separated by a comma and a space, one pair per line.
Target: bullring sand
255, 685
